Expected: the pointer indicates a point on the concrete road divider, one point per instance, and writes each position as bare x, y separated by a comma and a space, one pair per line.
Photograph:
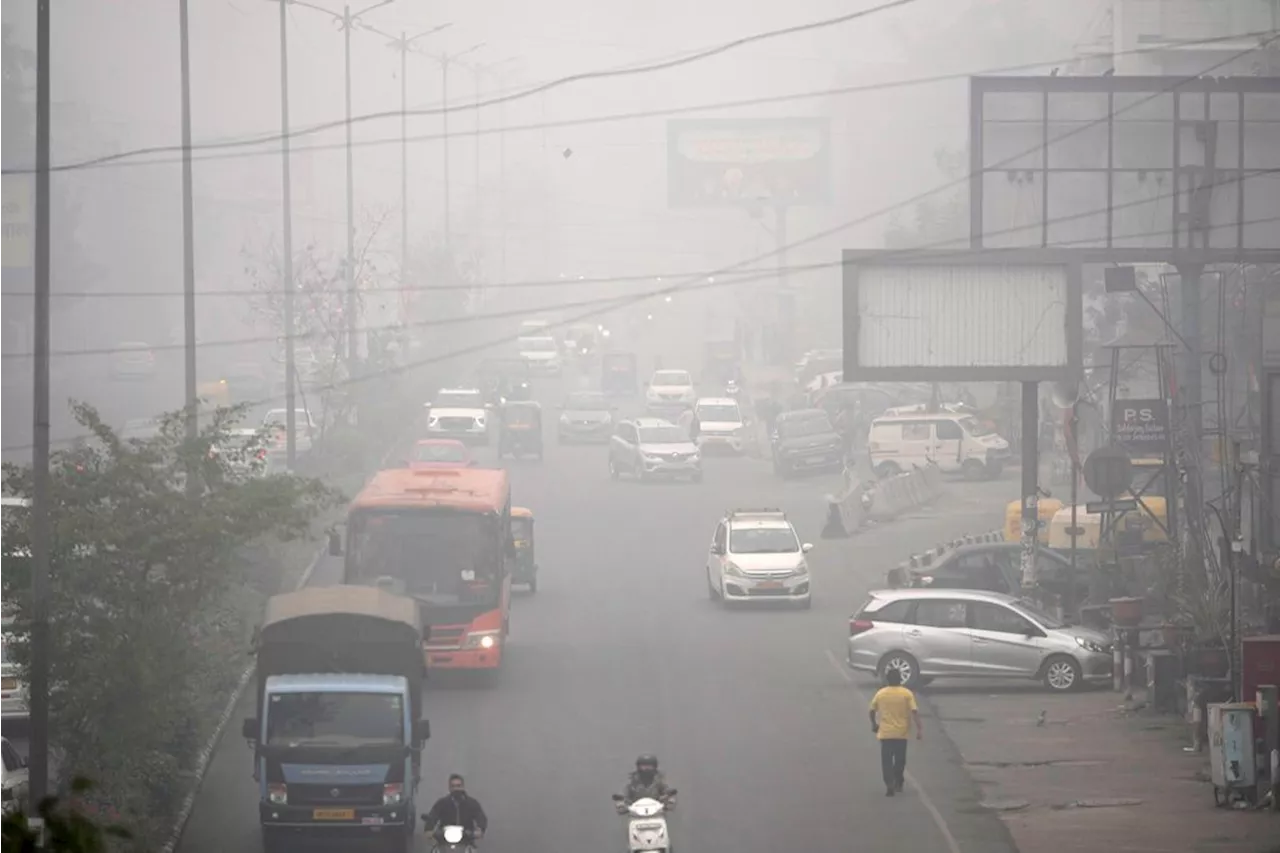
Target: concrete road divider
882, 500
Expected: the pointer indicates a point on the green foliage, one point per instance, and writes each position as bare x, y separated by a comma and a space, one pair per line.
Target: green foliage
145, 544
69, 827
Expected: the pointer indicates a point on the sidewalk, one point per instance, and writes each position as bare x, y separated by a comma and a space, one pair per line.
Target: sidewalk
1094, 774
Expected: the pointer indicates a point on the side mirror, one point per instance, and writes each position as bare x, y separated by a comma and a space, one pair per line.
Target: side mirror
335, 543
421, 731
617, 798
671, 792
249, 729
806, 547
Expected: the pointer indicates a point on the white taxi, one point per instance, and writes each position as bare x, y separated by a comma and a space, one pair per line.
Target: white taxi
757, 556
721, 426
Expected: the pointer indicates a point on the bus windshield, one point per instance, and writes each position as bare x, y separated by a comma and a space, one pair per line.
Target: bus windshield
443, 558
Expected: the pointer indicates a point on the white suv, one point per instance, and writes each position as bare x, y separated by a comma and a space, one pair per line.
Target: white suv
670, 391
720, 424
458, 413
756, 555
652, 447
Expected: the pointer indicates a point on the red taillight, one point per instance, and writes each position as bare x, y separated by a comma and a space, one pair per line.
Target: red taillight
857, 626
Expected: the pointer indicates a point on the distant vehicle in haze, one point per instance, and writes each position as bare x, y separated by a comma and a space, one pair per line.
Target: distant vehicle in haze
133, 360
956, 443
670, 391
534, 328
586, 416
305, 430
647, 448
721, 426
246, 455
541, 353
458, 413
618, 374
805, 440
440, 453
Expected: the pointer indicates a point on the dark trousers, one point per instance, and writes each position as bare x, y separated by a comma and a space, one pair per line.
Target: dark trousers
893, 761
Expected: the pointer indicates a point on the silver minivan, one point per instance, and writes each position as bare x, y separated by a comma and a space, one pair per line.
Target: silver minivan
956, 633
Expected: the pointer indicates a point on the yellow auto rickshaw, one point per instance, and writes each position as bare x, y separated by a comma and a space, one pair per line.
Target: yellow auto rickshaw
525, 570
1047, 507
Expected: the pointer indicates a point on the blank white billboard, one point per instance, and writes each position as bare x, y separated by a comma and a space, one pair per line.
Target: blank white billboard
947, 321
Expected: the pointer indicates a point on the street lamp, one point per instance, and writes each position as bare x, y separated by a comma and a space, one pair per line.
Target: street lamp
347, 21
479, 70
402, 44
445, 60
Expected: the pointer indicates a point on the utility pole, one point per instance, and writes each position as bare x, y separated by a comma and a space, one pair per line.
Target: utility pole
348, 21
402, 44
445, 60
188, 232
39, 675
478, 70
290, 417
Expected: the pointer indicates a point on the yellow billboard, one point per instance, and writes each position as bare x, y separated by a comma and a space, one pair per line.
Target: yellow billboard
18, 249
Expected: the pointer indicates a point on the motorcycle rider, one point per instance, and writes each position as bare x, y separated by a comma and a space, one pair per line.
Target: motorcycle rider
457, 809
646, 781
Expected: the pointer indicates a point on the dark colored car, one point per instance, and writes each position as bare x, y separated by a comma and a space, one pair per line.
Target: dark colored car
586, 416
990, 567
618, 373
805, 440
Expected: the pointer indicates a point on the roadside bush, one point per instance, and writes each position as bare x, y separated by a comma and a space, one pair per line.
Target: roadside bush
146, 541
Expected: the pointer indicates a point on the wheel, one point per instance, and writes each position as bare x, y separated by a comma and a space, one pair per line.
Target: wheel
885, 470
905, 664
1062, 674
973, 470
995, 469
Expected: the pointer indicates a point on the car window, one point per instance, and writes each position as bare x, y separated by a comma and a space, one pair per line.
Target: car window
996, 617
940, 613
587, 401
626, 433
949, 430
763, 540
713, 412
915, 432
894, 611
719, 540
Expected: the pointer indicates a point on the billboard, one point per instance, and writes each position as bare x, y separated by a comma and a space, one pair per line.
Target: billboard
966, 317
733, 162
18, 248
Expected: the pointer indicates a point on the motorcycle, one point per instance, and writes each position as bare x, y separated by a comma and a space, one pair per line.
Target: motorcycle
456, 840
647, 826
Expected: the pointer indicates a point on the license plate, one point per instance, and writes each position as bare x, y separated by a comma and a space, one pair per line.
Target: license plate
769, 585
334, 814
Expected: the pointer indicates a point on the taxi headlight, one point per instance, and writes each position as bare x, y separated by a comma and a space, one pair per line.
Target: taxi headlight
432, 420
731, 568
801, 570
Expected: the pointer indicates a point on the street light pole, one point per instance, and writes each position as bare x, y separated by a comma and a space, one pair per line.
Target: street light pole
188, 231
445, 60
290, 417
39, 674
478, 70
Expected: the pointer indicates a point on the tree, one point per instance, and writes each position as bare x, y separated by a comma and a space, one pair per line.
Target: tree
68, 827
143, 598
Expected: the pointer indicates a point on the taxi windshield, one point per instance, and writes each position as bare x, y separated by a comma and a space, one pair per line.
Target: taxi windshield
763, 540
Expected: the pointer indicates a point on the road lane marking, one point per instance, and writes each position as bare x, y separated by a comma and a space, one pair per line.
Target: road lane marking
952, 845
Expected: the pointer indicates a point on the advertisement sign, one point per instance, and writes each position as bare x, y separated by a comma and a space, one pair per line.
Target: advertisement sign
733, 162
18, 248
1141, 426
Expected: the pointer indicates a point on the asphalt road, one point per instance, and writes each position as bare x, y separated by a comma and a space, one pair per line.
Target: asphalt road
621, 652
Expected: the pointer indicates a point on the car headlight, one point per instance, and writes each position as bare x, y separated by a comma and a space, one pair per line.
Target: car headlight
650, 457
480, 421
731, 568
392, 794
432, 421
694, 457
278, 793
801, 570
1091, 646
482, 639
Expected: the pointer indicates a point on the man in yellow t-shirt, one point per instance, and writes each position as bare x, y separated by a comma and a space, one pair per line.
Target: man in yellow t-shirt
893, 710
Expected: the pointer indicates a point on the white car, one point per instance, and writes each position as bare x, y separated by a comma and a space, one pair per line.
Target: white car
305, 429
241, 459
721, 426
670, 390
16, 778
757, 556
458, 413
542, 354
133, 360
648, 448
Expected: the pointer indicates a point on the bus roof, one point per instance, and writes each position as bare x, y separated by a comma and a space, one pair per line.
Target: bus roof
521, 512
478, 490
367, 601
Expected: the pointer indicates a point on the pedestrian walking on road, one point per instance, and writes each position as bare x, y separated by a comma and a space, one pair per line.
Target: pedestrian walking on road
893, 710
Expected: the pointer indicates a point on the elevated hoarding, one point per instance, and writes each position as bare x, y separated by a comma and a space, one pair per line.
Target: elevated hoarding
972, 316
735, 162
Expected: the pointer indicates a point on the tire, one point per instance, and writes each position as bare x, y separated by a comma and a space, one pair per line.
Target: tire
973, 470
1062, 674
995, 469
885, 470
905, 664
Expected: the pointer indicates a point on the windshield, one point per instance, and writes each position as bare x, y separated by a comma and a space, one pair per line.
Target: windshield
276, 417
459, 400
1039, 615
763, 540
587, 402
663, 435
440, 557
816, 425
672, 377
537, 345
334, 719
719, 413
439, 453
975, 427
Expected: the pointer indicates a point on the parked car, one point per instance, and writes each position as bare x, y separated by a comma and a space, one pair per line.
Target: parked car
956, 443
13, 693
16, 783
805, 439
957, 633
652, 447
133, 360
991, 567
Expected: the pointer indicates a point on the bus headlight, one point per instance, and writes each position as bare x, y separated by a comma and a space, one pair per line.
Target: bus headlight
482, 639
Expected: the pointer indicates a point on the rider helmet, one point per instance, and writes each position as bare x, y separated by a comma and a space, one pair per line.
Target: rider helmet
647, 760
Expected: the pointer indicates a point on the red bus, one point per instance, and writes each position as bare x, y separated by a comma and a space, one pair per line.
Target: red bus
441, 536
